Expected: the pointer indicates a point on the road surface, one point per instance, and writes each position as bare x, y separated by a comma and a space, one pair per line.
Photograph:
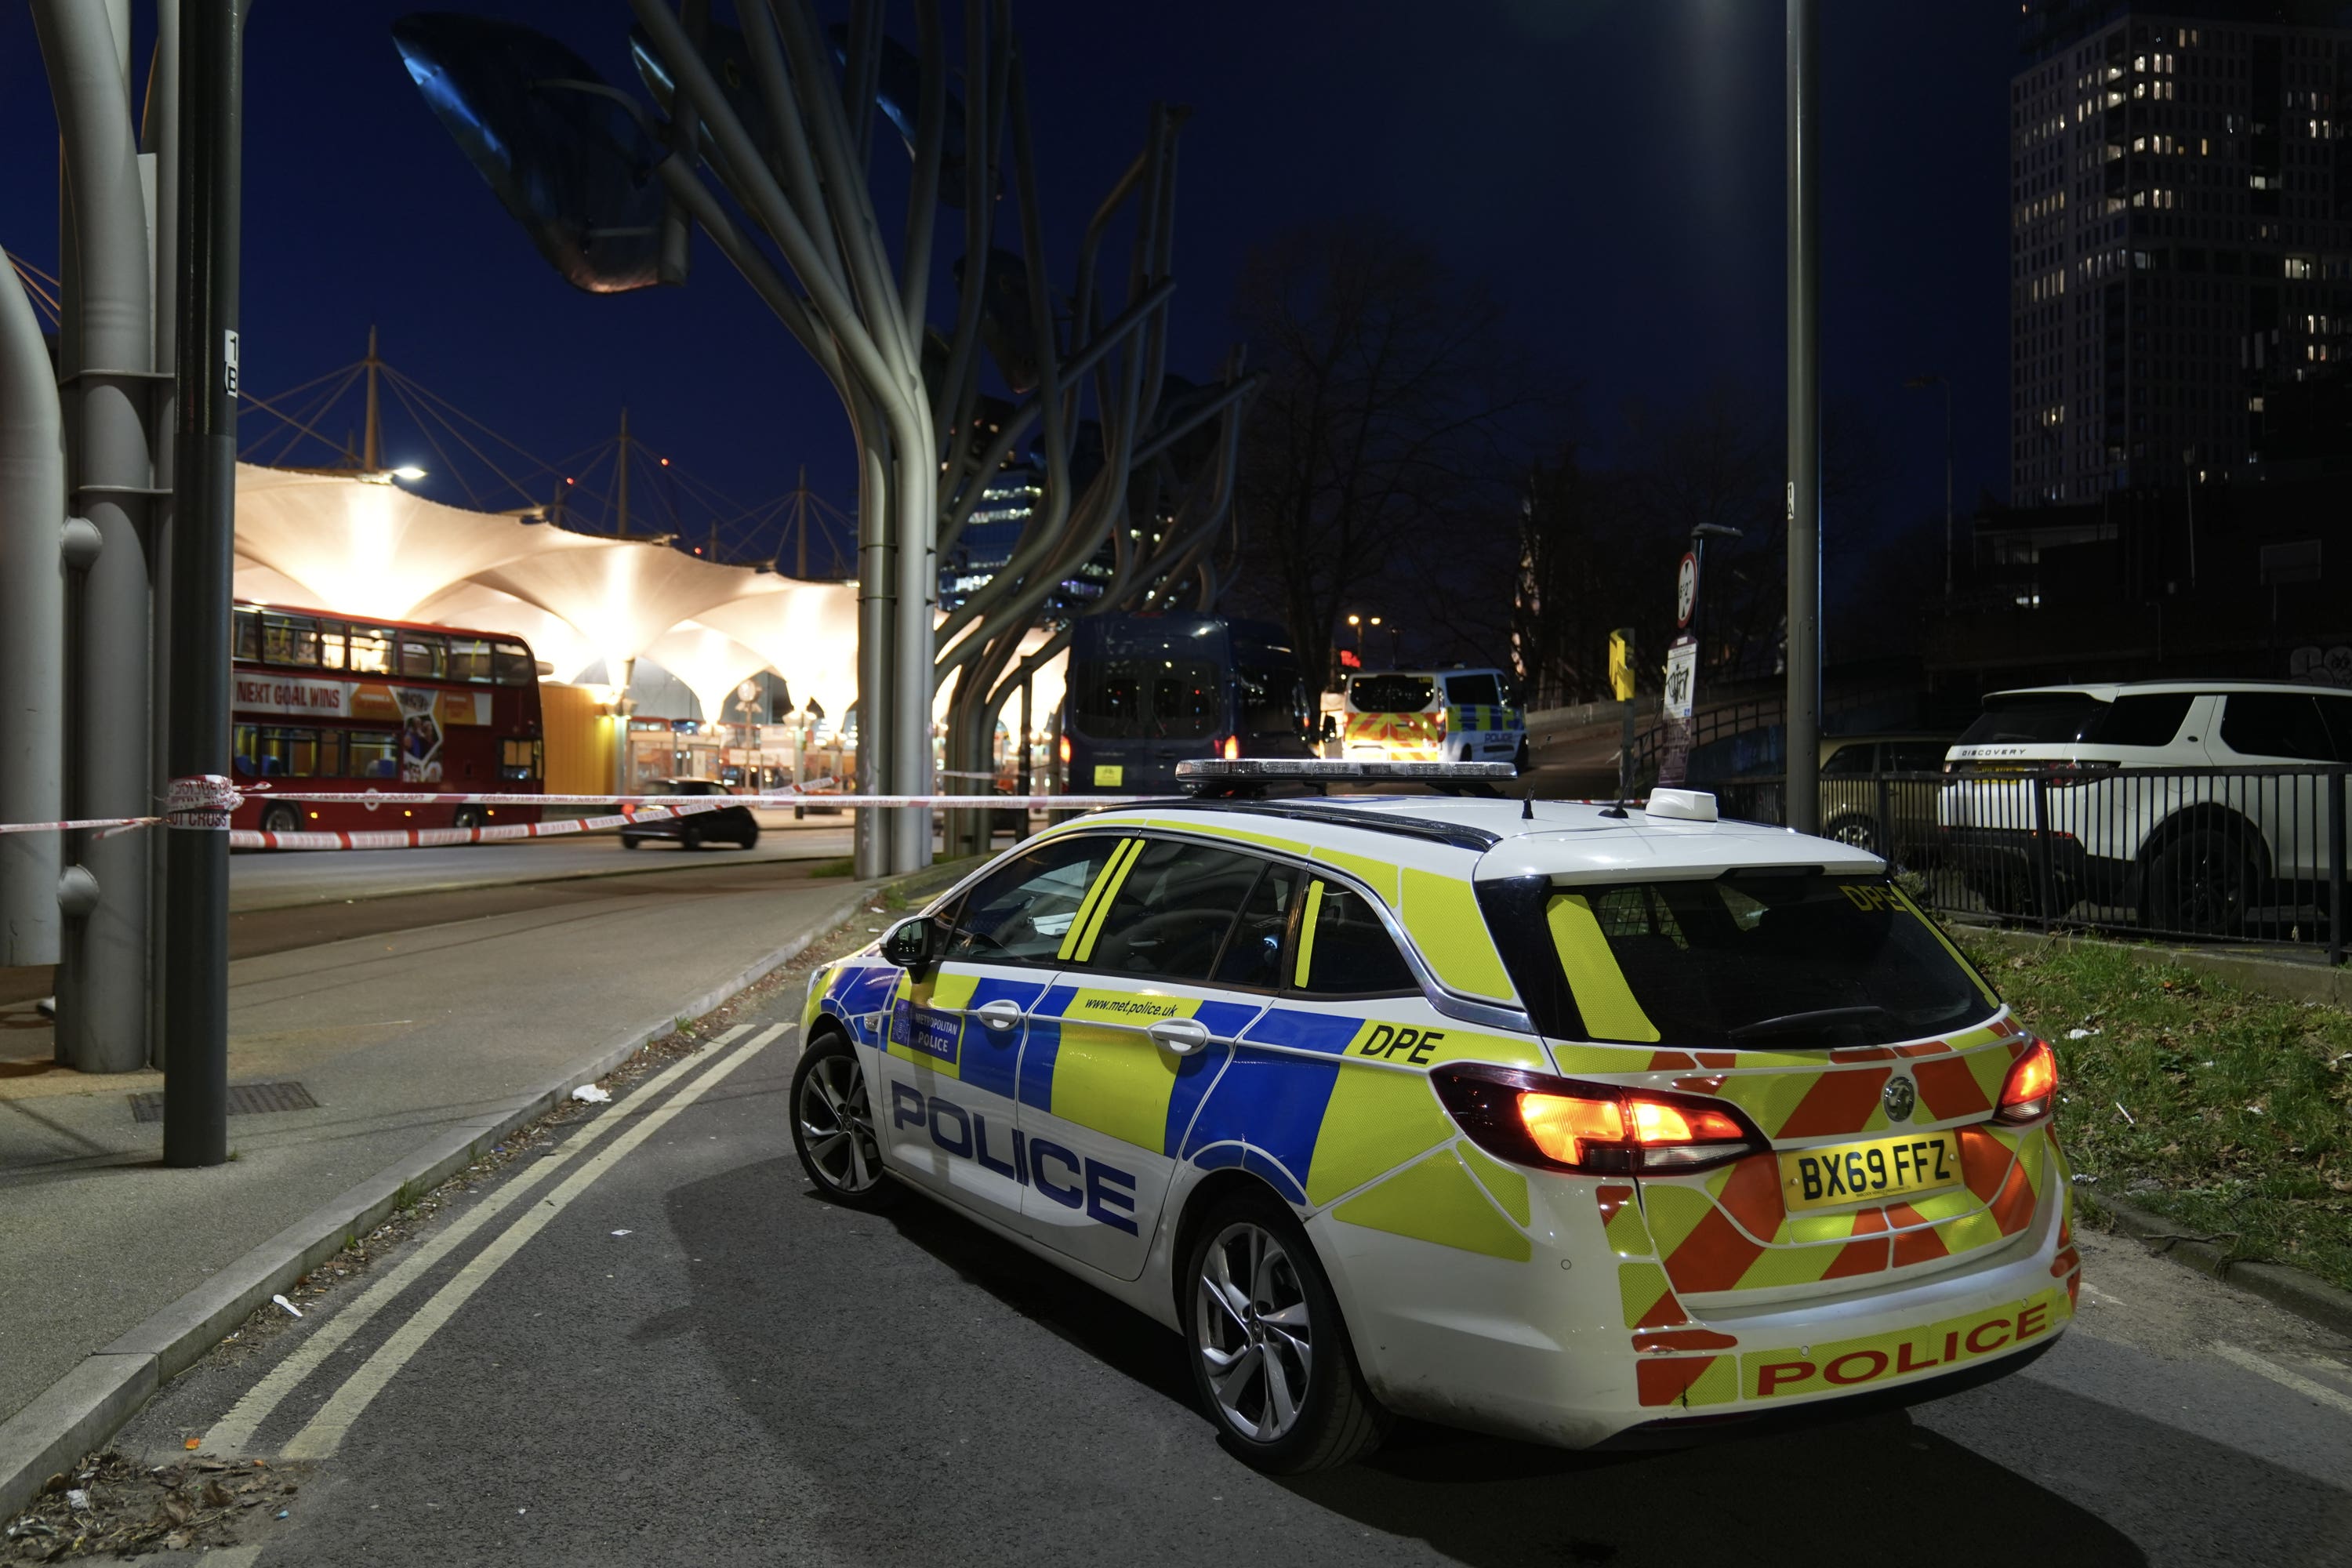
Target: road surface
668, 1350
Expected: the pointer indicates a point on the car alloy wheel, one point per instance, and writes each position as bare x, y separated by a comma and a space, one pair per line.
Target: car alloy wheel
1253, 1332
832, 1123
280, 819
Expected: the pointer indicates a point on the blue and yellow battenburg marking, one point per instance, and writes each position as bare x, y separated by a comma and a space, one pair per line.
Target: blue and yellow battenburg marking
1275, 1102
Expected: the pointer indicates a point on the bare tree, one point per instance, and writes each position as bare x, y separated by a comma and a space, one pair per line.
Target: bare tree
1383, 418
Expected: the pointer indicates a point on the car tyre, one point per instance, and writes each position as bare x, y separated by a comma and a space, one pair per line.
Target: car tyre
690, 836
2202, 883
1520, 760
281, 818
833, 1125
750, 838
470, 816
630, 841
1271, 1357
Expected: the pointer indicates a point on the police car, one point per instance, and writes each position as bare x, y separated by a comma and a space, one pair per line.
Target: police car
1582, 1124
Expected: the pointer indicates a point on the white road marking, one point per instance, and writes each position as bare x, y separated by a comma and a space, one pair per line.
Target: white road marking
235, 1430
2095, 1294
2285, 1379
326, 1430
230, 1556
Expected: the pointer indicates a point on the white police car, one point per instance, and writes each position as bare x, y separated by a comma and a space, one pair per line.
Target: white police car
1574, 1123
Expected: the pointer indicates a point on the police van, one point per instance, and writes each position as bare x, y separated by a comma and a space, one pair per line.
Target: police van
1585, 1125
1457, 715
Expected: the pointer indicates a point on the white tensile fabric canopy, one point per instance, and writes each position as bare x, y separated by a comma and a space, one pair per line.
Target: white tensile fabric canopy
343, 544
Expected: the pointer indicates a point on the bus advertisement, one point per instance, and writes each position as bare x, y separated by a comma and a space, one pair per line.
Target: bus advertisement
1148, 691
320, 702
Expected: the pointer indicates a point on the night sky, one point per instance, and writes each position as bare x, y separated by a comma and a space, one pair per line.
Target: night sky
1612, 168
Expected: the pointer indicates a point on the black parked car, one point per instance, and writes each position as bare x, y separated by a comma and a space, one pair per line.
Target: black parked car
727, 824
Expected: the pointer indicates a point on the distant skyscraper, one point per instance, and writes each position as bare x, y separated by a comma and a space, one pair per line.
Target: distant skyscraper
2181, 235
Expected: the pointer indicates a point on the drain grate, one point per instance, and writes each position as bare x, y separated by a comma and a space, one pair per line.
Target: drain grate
244, 1099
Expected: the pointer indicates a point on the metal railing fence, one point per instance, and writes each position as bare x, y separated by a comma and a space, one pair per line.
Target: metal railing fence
2247, 854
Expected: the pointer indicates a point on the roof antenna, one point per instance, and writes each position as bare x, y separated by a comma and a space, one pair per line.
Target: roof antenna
1527, 804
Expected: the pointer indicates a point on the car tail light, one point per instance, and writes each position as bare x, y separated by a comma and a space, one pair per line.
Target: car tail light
1592, 1129
2032, 1083
1066, 751
2064, 775
1231, 748
1441, 721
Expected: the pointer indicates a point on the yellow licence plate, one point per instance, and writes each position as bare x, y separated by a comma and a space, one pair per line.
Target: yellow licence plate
1861, 1173
1109, 776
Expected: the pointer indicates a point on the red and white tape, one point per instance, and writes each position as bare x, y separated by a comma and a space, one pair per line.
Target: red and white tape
109, 825
447, 838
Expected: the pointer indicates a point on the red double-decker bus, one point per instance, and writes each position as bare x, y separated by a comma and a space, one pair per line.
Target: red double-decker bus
325, 703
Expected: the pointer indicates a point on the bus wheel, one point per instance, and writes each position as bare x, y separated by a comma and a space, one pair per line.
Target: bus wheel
470, 816
281, 818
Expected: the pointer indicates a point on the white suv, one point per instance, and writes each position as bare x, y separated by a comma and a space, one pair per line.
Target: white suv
2228, 822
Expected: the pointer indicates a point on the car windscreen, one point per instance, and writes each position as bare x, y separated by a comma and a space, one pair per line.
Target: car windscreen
1747, 960
1146, 698
1390, 693
2072, 718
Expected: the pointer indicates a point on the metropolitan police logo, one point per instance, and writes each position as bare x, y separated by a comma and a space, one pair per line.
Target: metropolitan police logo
1898, 1097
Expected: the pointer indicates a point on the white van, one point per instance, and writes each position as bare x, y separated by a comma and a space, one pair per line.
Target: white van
2202, 805
1433, 716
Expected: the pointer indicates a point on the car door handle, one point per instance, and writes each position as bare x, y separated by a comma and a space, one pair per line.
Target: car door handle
1181, 1035
1000, 1015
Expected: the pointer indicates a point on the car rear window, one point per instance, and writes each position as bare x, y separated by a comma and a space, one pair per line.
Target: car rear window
1756, 961
2075, 717
1391, 693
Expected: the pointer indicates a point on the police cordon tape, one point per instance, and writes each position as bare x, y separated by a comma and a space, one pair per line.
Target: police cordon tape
205, 805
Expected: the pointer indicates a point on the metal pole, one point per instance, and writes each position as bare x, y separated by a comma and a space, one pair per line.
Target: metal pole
1804, 492
103, 979
620, 489
32, 633
371, 440
161, 133
196, 929
1947, 490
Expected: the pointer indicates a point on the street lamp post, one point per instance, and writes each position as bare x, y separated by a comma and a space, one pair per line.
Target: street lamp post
1919, 383
1804, 493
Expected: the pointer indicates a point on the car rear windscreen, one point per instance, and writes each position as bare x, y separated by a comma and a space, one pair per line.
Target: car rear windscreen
1391, 693
2072, 718
1147, 698
1747, 960
1473, 690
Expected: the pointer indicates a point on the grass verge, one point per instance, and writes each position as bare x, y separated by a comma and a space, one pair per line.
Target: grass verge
2215, 1105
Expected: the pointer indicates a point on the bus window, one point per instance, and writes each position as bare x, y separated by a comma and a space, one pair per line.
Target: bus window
289, 640
330, 644
517, 760
288, 753
514, 664
422, 658
241, 743
249, 634
372, 755
371, 651
469, 659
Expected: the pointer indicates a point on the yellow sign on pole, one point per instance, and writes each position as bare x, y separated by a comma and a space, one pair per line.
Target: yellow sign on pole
1620, 663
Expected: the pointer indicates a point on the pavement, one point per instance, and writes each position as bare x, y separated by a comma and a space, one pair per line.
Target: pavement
407, 1039
652, 1342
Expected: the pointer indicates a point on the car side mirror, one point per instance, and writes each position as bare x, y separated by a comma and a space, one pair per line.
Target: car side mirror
914, 942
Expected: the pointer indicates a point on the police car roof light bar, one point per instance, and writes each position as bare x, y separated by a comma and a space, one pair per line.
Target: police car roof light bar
1250, 775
